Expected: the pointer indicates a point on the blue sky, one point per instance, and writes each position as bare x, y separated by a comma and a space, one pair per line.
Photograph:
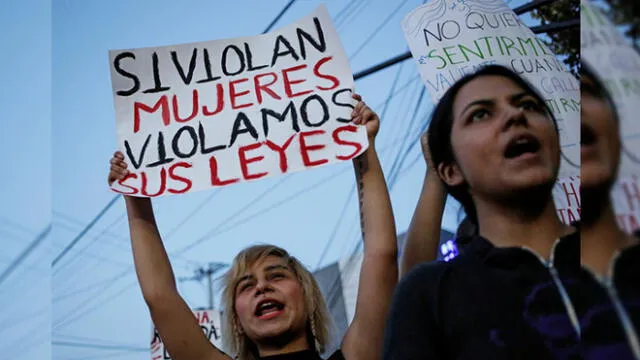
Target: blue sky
68, 136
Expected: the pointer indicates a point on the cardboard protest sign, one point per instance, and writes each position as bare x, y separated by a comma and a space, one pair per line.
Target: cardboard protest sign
209, 321
451, 38
617, 64
207, 114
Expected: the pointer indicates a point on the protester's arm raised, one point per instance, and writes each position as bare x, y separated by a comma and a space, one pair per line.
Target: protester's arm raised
423, 235
379, 272
171, 315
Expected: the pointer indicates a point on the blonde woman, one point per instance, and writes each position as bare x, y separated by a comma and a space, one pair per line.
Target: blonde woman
273, 306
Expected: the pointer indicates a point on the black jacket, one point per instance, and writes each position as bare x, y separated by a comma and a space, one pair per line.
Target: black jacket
488, 303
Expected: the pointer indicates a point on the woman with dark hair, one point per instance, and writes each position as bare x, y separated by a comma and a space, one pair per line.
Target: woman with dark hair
495, 146
609, 310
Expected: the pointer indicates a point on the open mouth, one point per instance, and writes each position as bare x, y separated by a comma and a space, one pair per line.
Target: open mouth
522, 145
268, 308
587, 135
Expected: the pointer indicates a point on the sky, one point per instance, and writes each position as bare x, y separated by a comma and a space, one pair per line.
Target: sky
59, 134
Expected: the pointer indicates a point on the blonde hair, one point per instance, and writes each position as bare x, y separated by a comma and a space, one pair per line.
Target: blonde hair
319, 321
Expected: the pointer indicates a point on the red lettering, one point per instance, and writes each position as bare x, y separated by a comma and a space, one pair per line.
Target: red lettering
569, 194
215, 179
570, 216
244, 162
265, 87
631, 192
194, 110
205, 318
333, 79
633, 223
281, 152
339, 141
173, 176
162, 103
561, 213
122, 183
234, 95
219, 99
288, 82
163, 183
305, 149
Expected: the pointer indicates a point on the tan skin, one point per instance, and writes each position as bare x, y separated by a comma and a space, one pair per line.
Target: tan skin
423, 235
379, 273
602, 238
483, 125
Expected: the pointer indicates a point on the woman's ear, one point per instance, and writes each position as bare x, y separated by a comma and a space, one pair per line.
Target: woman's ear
450, 174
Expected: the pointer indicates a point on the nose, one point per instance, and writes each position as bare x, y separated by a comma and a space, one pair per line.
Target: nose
515, 116
262, 286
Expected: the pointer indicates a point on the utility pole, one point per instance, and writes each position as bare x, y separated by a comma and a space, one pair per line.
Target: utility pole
208, 272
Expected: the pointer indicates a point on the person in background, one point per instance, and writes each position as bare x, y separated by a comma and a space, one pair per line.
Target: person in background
609, 304
495, 146
273, 307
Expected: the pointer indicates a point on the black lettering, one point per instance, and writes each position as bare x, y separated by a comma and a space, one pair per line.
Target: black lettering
175, 143
278, 53
192, 66
242, 119
156, 77
136, 163
203, 147
119, 70
320, 45
334, 99
225, 53
207, 69
280, 117
162, 153
250, 66
305, 114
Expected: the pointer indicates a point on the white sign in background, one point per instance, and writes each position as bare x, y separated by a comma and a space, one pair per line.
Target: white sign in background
209, 321
199, 115
451, 38
617, 64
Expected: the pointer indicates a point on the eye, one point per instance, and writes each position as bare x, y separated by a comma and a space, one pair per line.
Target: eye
479, 115
278, 275
245, 286
530, 105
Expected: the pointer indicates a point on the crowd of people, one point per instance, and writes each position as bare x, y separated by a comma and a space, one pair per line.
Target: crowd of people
525, 285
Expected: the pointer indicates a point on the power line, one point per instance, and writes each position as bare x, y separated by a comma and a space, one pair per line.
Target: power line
85, 230
377, 30
34, 244
274, 21
99, 346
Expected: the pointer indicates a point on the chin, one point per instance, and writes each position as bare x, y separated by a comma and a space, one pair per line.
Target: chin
532, 179
592, 177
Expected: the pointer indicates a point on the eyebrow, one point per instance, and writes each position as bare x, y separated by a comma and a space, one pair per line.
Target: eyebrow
267, 269
489, 102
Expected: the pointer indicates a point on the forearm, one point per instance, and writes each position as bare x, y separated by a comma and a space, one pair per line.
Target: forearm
376, 215
423, 235
150, 257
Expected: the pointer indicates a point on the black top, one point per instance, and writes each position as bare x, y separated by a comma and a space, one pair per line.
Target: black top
609, 309
488, 303
303, 355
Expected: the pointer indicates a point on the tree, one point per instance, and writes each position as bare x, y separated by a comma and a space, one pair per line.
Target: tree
627, 14
565, 43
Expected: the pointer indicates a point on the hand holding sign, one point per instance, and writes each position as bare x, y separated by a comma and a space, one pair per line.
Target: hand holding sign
363, 115
118, 168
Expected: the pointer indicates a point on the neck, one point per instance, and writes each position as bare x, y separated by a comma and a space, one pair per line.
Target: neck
281, 346
601, 236
523, 222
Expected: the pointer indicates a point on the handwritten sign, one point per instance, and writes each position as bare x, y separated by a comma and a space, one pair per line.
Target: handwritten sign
209, 321
451, 38
618, 65
208, 114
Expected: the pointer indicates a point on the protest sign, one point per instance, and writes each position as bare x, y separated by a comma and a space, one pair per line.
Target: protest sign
207, 114
617, 64
209, 321
451, 38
